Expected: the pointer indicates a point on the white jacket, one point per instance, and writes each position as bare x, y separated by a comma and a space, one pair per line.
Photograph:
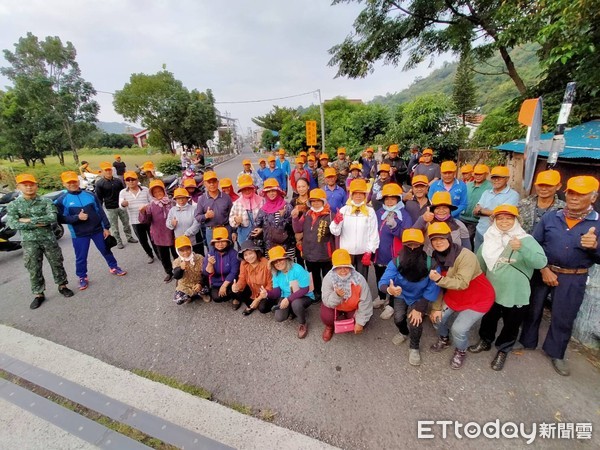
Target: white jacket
358, 234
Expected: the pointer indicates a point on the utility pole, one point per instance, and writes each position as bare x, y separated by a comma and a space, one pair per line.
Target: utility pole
322, 122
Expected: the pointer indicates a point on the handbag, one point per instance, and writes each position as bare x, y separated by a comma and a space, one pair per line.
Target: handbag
342, 325
110, 241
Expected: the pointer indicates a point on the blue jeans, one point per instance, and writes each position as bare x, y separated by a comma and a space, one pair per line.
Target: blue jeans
460, 328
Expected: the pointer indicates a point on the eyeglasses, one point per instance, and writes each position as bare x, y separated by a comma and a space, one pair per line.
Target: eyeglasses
130, 179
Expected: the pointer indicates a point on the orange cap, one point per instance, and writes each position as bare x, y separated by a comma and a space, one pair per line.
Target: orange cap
245, 181
355, 166
270, 184
583, 184
420, 179
550, 177
384, 168
341, 151
500, 171
467, 168
148, 165
312, 151
438, 228
183, 241
189, 182
130, 174
181, 192
271, 158
25, 178
358, 185
369, 149
329, 172
393, 148
117, 156
324, 156
220, 234
413, 235
299, 160
317, 194
156, 183
303, 153
427, 151
281, 151
69, 176
481, 169
506, 209
261, 160
448, 166
341, 258
276, 253
391, 190
225, 182
105, 166
312, 158
209, 175
442, 198
246, 161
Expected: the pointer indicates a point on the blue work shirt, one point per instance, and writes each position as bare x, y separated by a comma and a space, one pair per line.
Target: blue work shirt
278, 174
489, 200
562, 244
336, 198
458, 193
284, 166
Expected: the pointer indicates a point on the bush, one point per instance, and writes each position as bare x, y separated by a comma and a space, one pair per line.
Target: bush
170, 166
48, 177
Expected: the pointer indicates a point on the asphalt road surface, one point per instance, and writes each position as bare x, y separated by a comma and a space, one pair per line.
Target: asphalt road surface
354, 392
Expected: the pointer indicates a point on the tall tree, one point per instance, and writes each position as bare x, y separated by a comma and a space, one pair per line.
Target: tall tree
275, 118
464, 92
387, 29
48, 78
200, 120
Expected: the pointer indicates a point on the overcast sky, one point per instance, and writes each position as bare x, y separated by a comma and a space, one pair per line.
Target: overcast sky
242, 50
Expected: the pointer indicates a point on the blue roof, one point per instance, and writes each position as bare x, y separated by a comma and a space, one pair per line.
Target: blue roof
581, 141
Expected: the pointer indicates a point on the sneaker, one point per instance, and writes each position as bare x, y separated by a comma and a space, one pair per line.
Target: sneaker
561, 367
65, 291
83, 283
481, 346
118, 272
132, 240
441, 344
37, 301
387, 313
458, 359
205, 290
378, 303
150, 259
180, 302
499, 360
399, 339
414, 357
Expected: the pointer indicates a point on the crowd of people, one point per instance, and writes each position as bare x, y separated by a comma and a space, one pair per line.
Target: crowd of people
460, 251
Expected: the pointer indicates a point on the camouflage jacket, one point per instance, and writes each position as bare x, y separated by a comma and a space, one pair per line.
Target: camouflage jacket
531, 215
40, 210
342, 168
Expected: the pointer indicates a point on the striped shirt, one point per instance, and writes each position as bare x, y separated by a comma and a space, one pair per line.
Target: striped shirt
135, 201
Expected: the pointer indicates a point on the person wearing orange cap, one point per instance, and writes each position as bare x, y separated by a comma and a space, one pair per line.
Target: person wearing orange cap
356, 225
312, 172
300, 205
244, 211
475, 190
147, 173
468, 294
227, 188
383, 177
87, 221
399, 171
256, 178
413, 160
284, 165
345, 293
187, 270
466, 173
155, 215
191, 186
506, 247
342, 167
33, 216
336, 196
416, 200
428, 168
449, 183
368, 164
545, 199
500, 194
85, 168
262, 166
213, 206
406, 280
569, 238
355, 173
323, 164
298, 172
120, 167
182, 221
108, 188
222, 267
317, 241
272, 171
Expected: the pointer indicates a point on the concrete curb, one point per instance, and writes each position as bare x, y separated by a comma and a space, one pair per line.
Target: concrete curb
195, 414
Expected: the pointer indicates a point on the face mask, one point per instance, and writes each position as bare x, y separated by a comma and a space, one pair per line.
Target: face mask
442, 218
356, 204
317, 210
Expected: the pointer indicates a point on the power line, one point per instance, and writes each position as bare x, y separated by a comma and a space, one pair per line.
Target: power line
269, 99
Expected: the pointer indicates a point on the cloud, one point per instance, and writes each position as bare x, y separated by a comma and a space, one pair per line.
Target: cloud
241, 50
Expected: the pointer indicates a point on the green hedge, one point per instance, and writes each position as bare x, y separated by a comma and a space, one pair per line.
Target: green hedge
170, 166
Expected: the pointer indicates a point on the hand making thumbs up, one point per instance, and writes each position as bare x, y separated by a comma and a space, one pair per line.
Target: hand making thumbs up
234, 287
394, 290
428, 215
82, 215
590, 240
209, 213
515, 243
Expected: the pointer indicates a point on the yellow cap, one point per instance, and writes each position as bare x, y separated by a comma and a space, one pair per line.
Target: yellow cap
341, 151
341, 258
156, 183
271, 158
420, 179
324, 156
550, 177
281, 151
500, 171
317, 194
246, 161
69, 176
481, 169
358, 185
442, 198
183, 241
467, 168
369, 149
130, 174
117, 156
312, 158
448, 166
427, 151
181, 192
225, 182
355, 166
148, 165
413, 235
312, 151
299, 160
582, 184
25, 178
189, 182
436, 228
384, 168
393, 148
276, 253
303, 153
270, 184
209, 175
245, 181
506, 209
106, 166
391, 190
329, 172
261, 160
220, 234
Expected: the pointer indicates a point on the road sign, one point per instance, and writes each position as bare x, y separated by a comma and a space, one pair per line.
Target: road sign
311, 133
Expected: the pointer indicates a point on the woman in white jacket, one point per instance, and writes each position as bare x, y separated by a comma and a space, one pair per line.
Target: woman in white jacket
356, 225
181, 219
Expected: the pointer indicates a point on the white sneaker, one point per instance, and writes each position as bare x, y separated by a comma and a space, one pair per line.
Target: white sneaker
399, 339
387, 312
378, 303
414, 357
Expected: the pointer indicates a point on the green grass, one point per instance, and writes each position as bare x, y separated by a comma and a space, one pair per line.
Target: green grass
247, 410
172, 382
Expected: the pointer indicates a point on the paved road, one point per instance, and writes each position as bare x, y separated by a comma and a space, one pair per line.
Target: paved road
353, 392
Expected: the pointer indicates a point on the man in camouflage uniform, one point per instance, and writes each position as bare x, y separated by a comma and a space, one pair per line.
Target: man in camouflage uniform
32, 216
532, 208
342, 167
324, 164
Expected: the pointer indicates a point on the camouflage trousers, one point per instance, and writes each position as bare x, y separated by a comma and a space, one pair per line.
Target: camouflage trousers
33, 252
113, 217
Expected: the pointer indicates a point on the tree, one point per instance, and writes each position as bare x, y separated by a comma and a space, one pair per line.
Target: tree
387, 29
56, 98
464, 92
199, 122
274, 119
268, 139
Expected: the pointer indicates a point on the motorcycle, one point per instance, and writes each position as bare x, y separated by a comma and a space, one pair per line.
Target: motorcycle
172, 182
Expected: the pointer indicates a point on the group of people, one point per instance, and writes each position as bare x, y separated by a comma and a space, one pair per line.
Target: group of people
458, 252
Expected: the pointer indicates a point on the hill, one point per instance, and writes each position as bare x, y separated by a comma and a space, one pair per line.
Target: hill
492, 90
117, 127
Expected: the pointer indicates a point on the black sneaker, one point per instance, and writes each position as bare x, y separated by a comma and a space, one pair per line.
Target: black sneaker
65, 291
481, 346
499, 360
37, 302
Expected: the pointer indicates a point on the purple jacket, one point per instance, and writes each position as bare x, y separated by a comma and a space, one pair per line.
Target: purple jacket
227, 267
156, 217
390, 239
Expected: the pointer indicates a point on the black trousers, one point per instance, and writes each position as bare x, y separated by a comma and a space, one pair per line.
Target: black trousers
512, 319
401, 311
214, 294
142, 232
164, 254
379, 270
360, 268
244, 296
318, 269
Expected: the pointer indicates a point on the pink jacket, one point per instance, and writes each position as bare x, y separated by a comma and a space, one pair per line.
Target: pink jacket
156, 217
